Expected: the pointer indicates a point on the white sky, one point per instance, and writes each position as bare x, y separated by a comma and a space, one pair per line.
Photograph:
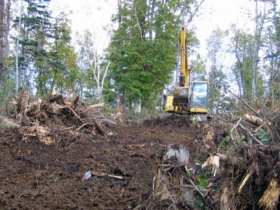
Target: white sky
221, 14
95, 15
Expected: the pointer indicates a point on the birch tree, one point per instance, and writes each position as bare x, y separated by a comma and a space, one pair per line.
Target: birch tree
260, 18
93, 65
217, 73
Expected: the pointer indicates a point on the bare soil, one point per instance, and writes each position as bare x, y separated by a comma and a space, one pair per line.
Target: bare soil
34, 175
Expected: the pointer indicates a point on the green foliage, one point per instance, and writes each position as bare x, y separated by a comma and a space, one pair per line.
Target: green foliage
243, 47
199, 203
262, 136
47, 61
224, 141
94, 68
4, 125
195, 120
218, 80
201, 185
143, 49
59, 71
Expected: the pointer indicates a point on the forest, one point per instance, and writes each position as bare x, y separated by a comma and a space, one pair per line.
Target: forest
137, 67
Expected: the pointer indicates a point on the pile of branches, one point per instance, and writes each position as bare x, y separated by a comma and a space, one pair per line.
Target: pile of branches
241, 172
245, 160
56, 118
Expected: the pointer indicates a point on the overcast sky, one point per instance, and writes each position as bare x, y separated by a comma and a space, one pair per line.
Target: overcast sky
95, 15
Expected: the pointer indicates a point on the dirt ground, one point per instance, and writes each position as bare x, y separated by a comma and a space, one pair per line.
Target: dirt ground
34, 175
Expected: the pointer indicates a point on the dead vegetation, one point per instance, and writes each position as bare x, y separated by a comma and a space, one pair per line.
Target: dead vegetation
243, 159
50, 118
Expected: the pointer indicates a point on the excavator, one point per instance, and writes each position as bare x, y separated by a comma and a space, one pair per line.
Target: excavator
188, 97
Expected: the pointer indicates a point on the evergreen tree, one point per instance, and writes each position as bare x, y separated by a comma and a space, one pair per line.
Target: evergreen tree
143, 49
59, 71
34, 24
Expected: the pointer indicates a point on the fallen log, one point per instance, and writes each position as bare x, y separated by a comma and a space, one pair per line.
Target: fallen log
54, 108
255, 120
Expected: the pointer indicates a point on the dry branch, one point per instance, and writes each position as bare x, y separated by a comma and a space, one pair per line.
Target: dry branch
55, 98
234, 127
255, 120
228, 159
101, 174
258, 141
270, 197
108, 122
75, 113
75, 102
94, 107
250, 171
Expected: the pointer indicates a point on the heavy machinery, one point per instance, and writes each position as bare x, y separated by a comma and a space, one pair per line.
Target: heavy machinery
188, 97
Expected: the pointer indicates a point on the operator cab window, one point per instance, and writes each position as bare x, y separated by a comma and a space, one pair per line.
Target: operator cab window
199, 95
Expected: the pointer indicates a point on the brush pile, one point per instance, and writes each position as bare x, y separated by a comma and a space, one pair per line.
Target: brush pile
242, 170
56, 118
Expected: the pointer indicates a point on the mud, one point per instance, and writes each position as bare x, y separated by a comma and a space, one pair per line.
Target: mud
34, 175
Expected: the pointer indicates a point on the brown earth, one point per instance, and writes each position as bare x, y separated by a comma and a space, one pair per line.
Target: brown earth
34, 175
53, 144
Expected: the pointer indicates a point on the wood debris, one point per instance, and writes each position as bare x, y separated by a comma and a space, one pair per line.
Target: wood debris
56, 118
270, 197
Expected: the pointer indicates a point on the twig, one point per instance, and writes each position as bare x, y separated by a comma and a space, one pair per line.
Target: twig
201, 195
249, 173
52, 173
245, 103
238, 122
101, 174
83, 125
251, 135
75, 113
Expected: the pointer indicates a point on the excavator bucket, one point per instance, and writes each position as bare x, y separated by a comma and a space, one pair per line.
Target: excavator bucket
181, 98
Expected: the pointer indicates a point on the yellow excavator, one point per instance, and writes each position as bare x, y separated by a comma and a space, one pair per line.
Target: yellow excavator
188, 97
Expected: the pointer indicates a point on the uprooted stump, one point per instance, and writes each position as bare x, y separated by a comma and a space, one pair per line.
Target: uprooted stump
255, 178
56, 118
170, 182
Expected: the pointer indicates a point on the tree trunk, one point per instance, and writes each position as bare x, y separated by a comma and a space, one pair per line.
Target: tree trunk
2, 32
17, 45
137, 106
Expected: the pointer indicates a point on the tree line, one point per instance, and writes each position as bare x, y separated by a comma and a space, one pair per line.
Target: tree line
37, 53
